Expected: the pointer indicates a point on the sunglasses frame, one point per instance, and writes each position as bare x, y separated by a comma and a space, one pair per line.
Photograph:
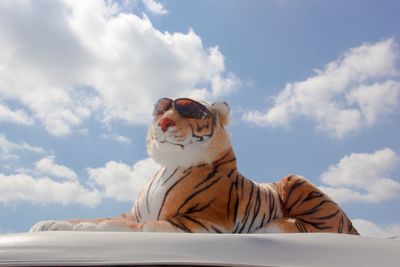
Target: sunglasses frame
173, 103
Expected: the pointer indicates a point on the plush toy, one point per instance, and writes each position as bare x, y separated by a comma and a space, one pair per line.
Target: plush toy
198, 187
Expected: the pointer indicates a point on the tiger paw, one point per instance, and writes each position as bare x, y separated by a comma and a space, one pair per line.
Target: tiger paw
51, 226
86, 226
108, 226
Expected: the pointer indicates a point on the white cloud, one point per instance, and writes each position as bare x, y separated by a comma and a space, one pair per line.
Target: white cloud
351, 92
120, 181
14, 116
115, 180
363, 177
48, 166
122, 139
224, 85
116, 137
9, 148
22, 187
367, 228
34, 186
375, 100
87, 57
155, 7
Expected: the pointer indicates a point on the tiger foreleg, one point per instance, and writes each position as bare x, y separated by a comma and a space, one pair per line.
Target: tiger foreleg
121, 223
118, 224
160, 226
285, 225
114, 225
51, 226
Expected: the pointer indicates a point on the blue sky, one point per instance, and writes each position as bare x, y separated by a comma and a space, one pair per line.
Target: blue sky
313, 86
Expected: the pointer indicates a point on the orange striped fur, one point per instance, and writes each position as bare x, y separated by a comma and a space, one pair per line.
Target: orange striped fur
198, 188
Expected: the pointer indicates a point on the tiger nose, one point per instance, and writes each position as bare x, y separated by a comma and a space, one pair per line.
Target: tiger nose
165, 123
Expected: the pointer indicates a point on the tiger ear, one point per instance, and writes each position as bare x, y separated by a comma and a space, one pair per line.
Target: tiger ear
222, 110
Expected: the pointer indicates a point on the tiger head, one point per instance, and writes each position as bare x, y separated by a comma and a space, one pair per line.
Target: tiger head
187, 133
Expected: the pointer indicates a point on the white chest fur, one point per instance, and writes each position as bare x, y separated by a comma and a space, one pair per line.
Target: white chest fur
152, 198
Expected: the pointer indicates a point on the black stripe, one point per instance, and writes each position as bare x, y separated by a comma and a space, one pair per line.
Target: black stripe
249, 201
136, 217
195, 209
230, 192
245, 221
140, 215
231, 172
228, 205
196, 222
290, 177
256, 209
340, 226
185, 171
293, 188
158, 181
200, 165
225, 162
271, 206
168, 191
276, 205
147, 204
192, 209
274, 211
196, 193
216, 230
315, 208
247, 212
300, 226
201, 127
294, 203
169, 176
312, 195
221, 158
241, 185
137, 213
148, 193
182, 227
235, 211
328, 216
209, 177
317, 225
262, 221
351, 228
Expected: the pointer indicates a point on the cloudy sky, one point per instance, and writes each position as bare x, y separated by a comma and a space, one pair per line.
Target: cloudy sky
314, 88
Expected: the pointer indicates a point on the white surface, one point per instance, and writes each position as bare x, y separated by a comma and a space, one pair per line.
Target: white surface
102, 248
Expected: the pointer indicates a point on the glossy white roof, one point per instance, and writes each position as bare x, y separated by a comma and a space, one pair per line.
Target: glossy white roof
107, 248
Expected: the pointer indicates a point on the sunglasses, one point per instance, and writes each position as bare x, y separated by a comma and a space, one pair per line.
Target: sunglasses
186, 107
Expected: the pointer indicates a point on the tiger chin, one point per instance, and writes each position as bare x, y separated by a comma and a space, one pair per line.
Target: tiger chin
198, 188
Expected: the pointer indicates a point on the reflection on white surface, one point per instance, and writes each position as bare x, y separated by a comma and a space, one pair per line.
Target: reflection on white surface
109, 248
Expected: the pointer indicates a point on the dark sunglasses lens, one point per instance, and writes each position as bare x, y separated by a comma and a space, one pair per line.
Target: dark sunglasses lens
191, 109
162, 106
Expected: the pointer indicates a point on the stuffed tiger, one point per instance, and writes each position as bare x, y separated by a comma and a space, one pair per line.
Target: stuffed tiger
198, 188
